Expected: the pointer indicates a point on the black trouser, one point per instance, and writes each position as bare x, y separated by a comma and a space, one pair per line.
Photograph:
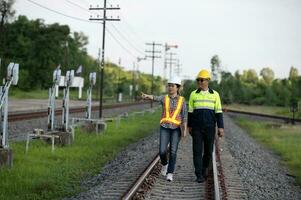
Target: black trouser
202, 138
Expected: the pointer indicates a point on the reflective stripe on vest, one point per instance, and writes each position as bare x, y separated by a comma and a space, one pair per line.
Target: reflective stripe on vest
172, 117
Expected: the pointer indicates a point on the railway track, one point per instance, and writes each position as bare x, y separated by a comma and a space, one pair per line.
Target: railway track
23, 122
285, 119
151, 185
25, 115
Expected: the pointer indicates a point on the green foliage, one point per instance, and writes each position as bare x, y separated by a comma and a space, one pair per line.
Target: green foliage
267, 75
39, 48
293, 73
188, 87
215, 66
249, 89
43, 175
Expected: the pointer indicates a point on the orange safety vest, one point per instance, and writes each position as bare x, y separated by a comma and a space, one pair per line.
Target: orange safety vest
173, 117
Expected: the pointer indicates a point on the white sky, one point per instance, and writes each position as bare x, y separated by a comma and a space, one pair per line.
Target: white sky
244, 33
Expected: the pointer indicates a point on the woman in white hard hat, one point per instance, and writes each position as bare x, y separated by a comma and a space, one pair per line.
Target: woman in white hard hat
172, 124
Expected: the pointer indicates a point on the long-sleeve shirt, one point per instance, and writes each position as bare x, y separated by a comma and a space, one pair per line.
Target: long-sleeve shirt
173, 105
205, 109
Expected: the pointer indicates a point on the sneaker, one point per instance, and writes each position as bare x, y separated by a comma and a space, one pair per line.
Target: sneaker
164, 170
169, 177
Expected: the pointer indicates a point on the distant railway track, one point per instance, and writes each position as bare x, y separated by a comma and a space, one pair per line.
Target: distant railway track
286, 119
26, 115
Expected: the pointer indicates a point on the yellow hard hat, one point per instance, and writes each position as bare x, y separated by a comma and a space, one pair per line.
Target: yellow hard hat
204, 74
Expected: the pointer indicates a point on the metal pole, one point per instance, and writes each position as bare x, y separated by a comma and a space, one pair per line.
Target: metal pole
118, 79
153, 63
102, 57
101, 75
89, 102
153, 52
170, 66
5, 109
133, 83
165, 62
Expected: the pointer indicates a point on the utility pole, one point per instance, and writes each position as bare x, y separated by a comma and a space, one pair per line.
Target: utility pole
171, 61
102, 63
178, 68
167, 47
98, 64
153, 56
118, 79
133, 83
139, 59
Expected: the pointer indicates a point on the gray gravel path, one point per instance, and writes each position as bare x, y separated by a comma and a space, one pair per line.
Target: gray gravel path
261, 171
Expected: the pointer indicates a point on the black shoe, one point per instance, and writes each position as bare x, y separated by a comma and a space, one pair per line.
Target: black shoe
200, 179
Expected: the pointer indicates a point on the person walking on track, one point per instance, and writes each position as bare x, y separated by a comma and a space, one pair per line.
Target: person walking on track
173, 124
204, 112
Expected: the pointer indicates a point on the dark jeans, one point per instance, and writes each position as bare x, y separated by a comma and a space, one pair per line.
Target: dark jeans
203, 138
171, 137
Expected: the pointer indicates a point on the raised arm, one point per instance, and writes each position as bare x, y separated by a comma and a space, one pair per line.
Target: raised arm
147, 96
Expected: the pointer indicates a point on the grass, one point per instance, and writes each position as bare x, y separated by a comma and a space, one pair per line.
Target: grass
270, 110
15, 93
285, 140
43, 175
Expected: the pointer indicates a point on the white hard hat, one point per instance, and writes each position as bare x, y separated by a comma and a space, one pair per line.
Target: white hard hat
175, 80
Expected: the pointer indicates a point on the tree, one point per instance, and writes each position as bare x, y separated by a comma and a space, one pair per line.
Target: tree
250, 76
237, 75
215, 68
267, 75
6, 12
293, 73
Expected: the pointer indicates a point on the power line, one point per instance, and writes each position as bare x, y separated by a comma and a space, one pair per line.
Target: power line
75, 18
57, 12
141, 52
124, 19
114, 27
83, 20
78, 6
121, 45
128, 26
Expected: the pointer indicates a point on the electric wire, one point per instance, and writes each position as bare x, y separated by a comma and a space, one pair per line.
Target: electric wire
115, 28
57, 12
87, 21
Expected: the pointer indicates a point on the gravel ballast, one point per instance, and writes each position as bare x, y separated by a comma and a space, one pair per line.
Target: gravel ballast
262, 174
132, 159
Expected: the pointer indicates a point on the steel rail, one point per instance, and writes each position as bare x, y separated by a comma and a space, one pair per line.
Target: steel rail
19, 116
261, 115
133, 189
215, 176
